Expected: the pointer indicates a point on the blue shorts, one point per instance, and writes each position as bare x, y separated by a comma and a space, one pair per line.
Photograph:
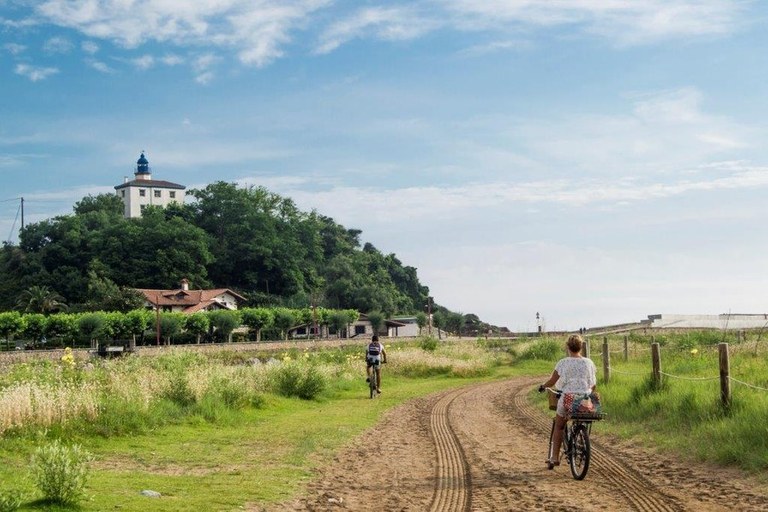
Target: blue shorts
373, 362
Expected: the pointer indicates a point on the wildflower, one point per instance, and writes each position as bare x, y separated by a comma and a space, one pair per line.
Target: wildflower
68, 357
694, 351
287, 358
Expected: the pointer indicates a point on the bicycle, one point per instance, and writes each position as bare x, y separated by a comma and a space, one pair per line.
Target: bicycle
575, 447
373, 380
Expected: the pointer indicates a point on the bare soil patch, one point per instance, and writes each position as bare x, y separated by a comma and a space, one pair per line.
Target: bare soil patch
482, 448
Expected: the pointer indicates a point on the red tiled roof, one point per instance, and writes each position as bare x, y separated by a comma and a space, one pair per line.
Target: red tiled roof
190, 300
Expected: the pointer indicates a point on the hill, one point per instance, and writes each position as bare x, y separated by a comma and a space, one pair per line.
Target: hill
248, 239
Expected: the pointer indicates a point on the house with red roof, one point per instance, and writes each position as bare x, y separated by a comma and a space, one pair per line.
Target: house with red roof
184, 300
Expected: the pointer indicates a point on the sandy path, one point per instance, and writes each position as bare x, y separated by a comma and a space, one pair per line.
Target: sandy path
481, 448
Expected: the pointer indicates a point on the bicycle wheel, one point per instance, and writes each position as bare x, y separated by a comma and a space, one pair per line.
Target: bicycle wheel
372, 383
579, 454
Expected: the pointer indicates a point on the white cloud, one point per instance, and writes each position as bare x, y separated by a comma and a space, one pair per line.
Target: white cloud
171, 60
205, 78
256, 28
99, 66
90, 47
144, 62
57, 45
386, 23
622, 21
14, 48
35, 73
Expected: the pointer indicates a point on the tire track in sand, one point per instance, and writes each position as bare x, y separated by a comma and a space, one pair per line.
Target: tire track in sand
641, 494
453, 485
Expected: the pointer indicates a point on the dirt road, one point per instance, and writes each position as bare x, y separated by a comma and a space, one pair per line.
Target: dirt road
481, 448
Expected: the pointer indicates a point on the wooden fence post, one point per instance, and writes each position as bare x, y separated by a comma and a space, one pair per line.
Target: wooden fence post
626, 348
656, 360
725, 375
606, 361
585, 348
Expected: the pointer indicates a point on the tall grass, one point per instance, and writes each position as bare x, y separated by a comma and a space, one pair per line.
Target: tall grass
136, 394
684, 411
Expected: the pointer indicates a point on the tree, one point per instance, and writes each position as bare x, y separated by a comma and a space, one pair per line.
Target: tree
34, 327
171, 324
455, 322
421, 320
91, 326
109, 204
137, 321
40, 299
377, 320
223, 323
197, 324
105, 295
284, 319
11, 324
439, 320
257, 319
338, 321
62, 327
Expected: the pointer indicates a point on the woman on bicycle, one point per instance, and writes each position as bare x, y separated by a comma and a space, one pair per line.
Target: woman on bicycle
374, 356
576, 375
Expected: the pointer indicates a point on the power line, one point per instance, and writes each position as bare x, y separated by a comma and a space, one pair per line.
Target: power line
13, 226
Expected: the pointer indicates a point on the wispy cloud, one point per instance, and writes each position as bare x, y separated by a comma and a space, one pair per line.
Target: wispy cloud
90, 47
99, 66
143, 62
256, 29
35, 73
385, 23
57, 45
623, 22
14, 48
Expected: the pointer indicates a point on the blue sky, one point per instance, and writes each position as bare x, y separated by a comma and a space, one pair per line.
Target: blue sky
594, 161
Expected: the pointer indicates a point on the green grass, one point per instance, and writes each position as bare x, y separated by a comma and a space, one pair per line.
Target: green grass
262, 456
221, 437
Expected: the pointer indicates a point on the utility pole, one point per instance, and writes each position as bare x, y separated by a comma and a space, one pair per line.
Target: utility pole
157, 318
22, 214
429, 314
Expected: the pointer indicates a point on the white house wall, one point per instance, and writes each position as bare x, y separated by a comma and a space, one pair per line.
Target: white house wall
133, 200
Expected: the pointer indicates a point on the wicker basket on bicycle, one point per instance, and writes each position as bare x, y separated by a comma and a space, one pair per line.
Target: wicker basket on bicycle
553, 398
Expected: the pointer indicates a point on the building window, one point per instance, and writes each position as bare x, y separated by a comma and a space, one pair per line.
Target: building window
122, 193
142, 192
142, 206
172, 193
157, 193
359, 329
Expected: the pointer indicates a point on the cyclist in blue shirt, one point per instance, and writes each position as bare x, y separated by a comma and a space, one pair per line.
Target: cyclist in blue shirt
375, 355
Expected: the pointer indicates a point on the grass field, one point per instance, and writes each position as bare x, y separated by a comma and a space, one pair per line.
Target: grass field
221, 431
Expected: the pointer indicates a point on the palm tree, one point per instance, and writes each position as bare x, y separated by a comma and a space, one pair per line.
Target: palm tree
40, 299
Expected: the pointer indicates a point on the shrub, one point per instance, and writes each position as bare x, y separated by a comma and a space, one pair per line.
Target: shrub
294, 379
547, 349
60, 472
10, 500
428, 344
179, 391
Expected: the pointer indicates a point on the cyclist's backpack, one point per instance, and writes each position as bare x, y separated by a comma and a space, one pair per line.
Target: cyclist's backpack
374, 349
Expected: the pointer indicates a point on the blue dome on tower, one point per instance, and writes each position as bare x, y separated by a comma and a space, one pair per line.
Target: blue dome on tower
142, 165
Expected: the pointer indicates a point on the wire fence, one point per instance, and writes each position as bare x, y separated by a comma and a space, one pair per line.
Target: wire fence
656, 373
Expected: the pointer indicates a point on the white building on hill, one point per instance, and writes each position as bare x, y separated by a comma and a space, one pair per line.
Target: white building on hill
143, 190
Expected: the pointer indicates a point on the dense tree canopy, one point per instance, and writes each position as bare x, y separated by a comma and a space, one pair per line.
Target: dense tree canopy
248, 239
